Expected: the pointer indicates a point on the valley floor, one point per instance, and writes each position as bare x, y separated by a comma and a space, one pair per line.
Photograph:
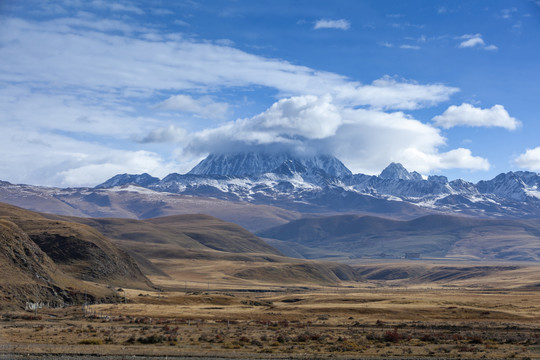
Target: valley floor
350, 321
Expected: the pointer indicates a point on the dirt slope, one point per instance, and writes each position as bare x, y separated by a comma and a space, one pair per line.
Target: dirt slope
49, 259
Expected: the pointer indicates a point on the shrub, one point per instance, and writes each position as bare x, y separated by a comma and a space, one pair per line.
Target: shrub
91, 342
152, 339
392, 336
476, 340
131, 340
256, 342
283, 338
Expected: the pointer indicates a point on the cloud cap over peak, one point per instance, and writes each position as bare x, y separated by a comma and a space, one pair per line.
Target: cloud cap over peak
366, 140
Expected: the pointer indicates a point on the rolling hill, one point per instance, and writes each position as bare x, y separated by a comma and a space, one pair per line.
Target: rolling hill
186, 232
163, 245
433, 236
58, 261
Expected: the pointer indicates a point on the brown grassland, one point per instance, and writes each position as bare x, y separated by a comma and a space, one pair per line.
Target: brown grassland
204, 311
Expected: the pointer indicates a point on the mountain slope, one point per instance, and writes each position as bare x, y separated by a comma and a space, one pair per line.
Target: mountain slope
136, 202
127, 179
259, 191
76, 249
430, 236
53, 270
195, 232
252, 163
170, 245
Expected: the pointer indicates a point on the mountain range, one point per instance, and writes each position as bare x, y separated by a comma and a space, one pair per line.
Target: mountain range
323, 183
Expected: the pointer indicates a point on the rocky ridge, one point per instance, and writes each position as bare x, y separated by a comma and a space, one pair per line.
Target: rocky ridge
323, 182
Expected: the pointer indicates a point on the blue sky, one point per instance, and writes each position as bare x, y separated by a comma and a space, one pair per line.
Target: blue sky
90, 89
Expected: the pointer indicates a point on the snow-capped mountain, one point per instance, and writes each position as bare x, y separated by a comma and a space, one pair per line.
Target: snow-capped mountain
322, 183
317, 184
122, 179
398, 172
253, 164
519, 185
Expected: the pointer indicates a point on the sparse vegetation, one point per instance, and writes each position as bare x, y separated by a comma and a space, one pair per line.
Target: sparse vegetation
386, 322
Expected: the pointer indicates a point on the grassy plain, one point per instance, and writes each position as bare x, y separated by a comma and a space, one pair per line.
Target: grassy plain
204, 311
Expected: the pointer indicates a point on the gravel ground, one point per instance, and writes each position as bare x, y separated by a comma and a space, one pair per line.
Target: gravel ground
136, 357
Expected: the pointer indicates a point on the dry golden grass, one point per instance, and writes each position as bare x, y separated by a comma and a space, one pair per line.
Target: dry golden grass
245, 319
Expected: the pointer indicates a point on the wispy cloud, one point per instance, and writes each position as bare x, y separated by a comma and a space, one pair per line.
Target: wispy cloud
117, 6
161, 12
340, 24
74, 57
475, 41
181, 22
410, 47
508, 13
204, 106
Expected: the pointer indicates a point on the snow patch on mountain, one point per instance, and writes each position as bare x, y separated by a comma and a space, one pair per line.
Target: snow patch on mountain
324, 180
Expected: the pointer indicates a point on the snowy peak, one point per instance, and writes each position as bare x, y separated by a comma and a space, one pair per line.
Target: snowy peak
396, 171
254, 164
290, 168
127, 179
238, 164
282, 178
515, 185
329, 164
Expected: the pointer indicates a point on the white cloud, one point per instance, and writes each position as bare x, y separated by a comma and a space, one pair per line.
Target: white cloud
47, 158
289, 123
529, 160
475, 41
462, 159
430, 161
341, 24
366, 140
472, 41
305, 116
75, 91
468, 115
74, 57
204, 106
94, 171
93, 114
